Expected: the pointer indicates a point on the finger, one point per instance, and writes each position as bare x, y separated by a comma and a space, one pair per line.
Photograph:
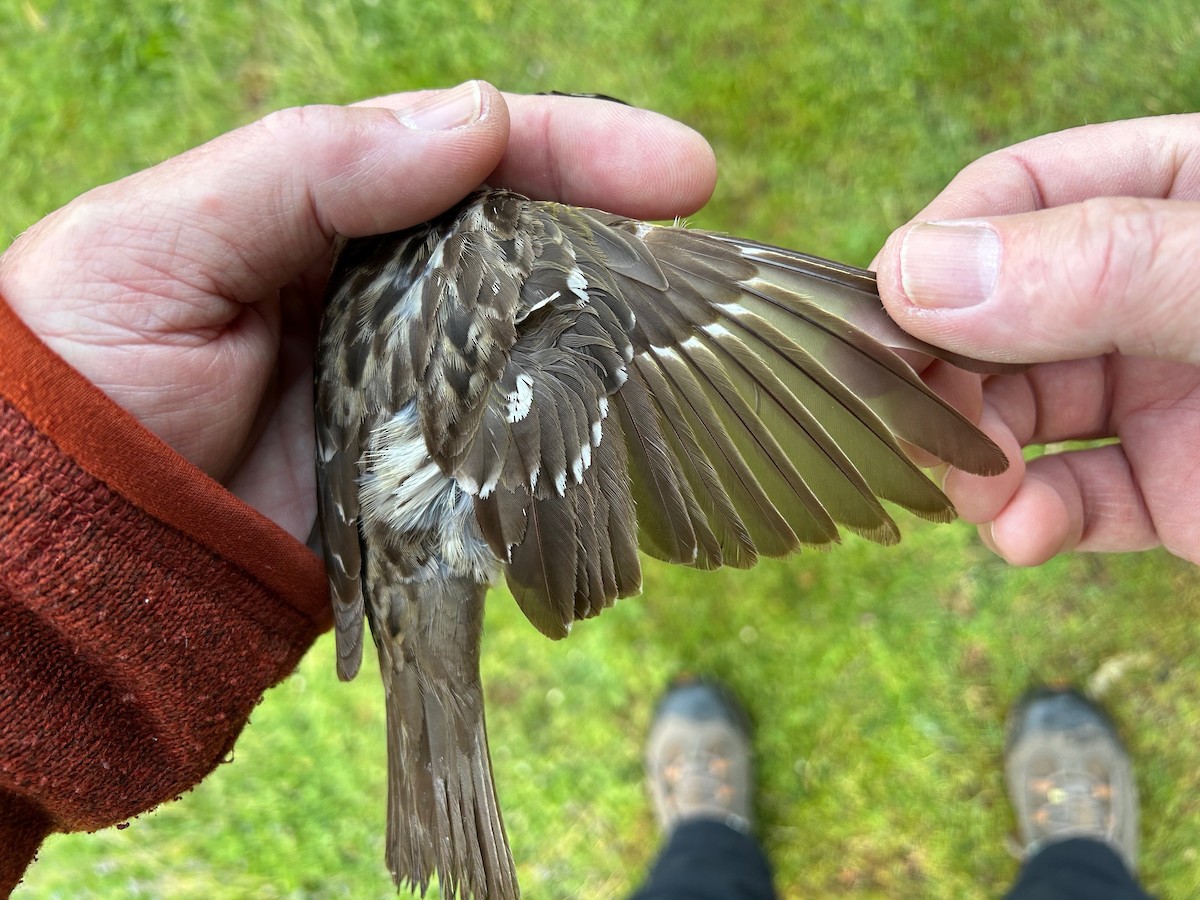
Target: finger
1060, 401
1153, 157
591, 152
597, 153
1034, 526
1105, 275
311, 172
1082, 500
1156, 157
1120, 497
979, 499
249, 211
365, 170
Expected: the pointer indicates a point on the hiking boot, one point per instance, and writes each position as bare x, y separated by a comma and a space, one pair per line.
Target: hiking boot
698, 756
1068, 774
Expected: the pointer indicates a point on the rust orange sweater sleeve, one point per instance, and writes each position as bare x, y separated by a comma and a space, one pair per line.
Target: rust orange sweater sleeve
143, 608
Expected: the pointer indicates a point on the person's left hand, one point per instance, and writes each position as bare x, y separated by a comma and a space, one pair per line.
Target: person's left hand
190, 293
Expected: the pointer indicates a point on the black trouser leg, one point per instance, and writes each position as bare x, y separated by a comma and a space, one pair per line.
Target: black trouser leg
706, 860
1076, 869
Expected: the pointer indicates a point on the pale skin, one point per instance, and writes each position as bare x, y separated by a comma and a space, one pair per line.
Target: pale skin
190, 292
1098, 285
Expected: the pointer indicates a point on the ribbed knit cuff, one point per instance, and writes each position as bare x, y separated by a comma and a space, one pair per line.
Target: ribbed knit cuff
143, 608
22, 829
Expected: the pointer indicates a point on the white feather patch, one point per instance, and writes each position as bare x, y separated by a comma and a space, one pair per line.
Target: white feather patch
717, 330
669, 352
597, 431
403, 489
732, 309
525, 314
520, 400
400, 484
578, 284
489, 486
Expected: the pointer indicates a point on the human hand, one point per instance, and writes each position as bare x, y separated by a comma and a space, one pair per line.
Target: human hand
190, 293
1086, 265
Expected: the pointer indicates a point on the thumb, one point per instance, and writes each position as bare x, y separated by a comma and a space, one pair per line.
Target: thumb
255, 208
1107, 274
298, 176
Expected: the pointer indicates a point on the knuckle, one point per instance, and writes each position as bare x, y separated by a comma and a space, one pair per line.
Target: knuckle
286, 123
1130, 267
1117, 243
315, 128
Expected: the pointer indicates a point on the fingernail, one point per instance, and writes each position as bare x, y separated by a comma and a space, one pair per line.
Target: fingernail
949, 265
444, 110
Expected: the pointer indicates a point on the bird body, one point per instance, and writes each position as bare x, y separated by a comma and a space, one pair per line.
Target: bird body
541, 390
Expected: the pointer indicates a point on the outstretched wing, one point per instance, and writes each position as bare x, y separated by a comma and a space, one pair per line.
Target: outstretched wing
704, 398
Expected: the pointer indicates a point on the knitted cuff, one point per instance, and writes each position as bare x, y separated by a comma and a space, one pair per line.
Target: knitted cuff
23, 827
143, 609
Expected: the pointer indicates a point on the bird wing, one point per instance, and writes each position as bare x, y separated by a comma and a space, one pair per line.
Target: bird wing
339, 427
704, 398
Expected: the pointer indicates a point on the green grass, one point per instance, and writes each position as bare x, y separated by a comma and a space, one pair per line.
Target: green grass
879, 678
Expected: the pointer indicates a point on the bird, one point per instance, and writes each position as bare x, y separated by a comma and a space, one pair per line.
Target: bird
536, 390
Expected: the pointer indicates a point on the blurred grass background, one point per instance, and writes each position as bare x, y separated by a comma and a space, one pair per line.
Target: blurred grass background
879, 679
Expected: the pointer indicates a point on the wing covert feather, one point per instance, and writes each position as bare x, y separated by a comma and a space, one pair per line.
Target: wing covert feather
713, 399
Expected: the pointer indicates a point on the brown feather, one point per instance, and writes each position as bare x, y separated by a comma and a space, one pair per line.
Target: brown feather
664, 525
542, 572
722, 537
537, 388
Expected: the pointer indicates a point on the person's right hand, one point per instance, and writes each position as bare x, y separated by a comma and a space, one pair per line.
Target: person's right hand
1078, 252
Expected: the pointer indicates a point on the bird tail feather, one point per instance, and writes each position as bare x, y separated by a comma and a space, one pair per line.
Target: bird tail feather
443, 816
